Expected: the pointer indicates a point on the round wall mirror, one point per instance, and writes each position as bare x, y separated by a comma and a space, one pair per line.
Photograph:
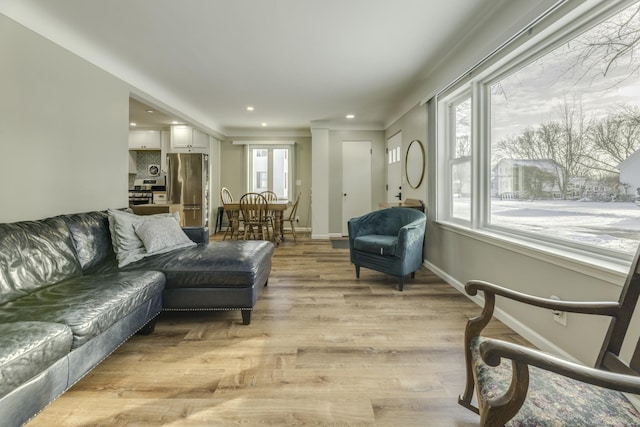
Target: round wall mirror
414, 163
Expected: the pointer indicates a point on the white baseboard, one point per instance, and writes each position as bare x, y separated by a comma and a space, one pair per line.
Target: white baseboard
320, 236
523, 330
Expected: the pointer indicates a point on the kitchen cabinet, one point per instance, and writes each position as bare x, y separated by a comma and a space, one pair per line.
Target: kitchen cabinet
187, 138
144, 140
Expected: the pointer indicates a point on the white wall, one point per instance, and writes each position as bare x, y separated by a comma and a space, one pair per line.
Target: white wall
63, 130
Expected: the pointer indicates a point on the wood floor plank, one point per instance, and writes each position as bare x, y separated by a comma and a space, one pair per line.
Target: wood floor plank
323, 348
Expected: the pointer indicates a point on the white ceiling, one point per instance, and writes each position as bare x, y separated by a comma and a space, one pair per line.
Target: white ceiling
295, 61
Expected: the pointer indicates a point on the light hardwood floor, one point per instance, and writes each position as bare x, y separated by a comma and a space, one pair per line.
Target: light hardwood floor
323, 348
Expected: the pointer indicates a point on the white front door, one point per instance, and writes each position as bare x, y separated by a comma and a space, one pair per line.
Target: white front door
394, 168
356, 180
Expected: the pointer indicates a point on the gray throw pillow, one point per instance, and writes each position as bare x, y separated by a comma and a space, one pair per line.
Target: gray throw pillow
162, 235
126, 243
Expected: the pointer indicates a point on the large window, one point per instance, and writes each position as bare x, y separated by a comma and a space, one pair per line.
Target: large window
559, 154
270, 168
460, 158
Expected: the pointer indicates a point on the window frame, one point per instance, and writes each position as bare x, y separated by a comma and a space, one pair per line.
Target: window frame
477, 86
270, 147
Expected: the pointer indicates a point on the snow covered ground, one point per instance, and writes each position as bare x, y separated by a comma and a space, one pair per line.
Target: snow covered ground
605, 224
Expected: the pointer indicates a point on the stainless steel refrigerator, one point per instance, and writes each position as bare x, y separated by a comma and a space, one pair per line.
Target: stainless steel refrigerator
188, 185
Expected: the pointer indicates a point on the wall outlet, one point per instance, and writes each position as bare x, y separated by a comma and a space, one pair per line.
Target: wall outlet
559, 316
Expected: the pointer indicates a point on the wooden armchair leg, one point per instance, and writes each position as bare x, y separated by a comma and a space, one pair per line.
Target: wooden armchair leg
498, 411
465, 398
474, 326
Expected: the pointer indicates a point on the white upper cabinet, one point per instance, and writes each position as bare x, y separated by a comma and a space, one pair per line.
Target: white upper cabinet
185, 137
144, 140
181, 136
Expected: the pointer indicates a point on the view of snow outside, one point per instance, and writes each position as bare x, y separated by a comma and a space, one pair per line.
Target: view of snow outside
614, 226
560, 128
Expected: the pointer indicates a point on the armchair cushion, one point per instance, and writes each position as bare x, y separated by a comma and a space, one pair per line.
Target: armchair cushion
552, 397
377, 244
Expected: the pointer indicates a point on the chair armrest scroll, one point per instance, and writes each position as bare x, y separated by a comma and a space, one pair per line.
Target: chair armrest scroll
492, 350
197, 234
606, 308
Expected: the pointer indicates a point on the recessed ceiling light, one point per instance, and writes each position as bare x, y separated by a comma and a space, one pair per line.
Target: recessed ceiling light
132, 124
264, 124
174, 122
350, 116
149, 111
249, 108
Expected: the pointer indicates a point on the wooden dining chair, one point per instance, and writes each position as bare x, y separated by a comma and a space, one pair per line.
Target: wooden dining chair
520, 386
271, 214
254, 208
233, 220
292, 216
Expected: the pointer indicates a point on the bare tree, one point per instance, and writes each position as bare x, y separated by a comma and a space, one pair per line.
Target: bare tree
609, 49
563, 141
613, 139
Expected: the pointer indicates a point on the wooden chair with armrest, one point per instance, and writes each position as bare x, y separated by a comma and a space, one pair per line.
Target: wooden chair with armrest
519, 386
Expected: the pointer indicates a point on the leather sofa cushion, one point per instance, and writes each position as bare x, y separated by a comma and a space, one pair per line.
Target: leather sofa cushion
33, 255
28, 348
88, 305
230, 263
377, 244
91, 237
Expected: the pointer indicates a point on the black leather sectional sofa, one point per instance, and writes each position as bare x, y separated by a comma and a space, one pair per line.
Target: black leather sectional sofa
65, 304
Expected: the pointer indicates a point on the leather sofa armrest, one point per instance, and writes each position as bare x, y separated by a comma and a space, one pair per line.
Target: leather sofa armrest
197, 234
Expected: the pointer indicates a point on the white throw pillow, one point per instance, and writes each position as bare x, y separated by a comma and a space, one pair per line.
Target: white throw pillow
126, 244
162, 235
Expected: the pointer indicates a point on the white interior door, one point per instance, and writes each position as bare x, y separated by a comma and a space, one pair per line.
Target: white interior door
394, 168
356, 180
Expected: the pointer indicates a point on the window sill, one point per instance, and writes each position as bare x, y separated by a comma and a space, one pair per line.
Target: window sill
610, 269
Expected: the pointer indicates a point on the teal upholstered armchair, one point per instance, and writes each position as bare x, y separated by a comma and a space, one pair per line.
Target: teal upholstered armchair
389, 240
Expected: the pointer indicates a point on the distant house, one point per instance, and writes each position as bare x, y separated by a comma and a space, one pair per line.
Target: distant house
524, 178
630, 172
594, 189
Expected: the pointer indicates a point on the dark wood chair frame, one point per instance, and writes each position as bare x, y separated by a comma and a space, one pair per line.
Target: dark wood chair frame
292, 217
232, 224
270, 197
254, 209
609, 370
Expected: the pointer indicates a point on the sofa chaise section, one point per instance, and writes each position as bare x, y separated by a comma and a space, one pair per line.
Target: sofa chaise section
228, 275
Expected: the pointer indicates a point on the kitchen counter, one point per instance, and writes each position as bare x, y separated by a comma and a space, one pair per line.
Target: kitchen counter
152, 209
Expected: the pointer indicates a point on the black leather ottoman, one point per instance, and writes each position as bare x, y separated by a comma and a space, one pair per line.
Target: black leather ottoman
227, 275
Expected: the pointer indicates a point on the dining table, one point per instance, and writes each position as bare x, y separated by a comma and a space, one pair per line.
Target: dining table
278, 208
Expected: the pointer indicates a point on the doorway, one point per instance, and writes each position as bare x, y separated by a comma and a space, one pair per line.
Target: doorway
356, 180
394, 168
